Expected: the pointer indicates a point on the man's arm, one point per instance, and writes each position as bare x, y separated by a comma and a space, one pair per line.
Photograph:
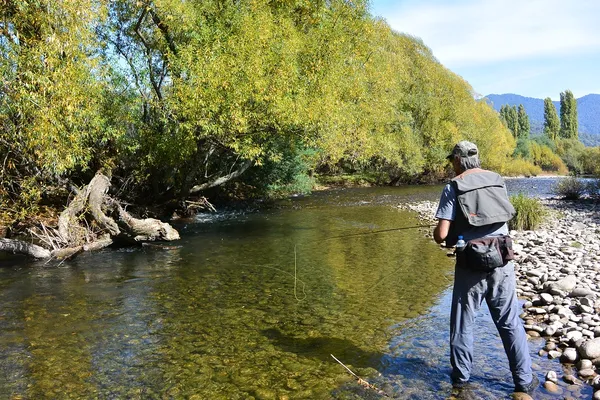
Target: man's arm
441, 230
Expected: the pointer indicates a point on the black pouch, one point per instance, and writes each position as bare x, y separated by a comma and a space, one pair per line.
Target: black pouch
486, 254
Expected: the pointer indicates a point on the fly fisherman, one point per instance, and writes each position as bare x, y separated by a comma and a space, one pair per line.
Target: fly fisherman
475, 205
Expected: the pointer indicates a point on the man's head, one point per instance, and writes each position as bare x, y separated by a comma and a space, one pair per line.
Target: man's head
464, 156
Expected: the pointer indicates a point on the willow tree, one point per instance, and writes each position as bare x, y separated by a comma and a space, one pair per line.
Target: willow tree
51, 98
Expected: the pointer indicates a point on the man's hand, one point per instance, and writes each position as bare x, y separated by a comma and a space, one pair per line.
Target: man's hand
441, 230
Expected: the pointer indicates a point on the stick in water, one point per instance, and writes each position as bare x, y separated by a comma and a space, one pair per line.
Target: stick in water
361, 381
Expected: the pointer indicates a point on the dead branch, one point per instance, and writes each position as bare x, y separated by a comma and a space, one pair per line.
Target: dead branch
221, 180
361, 381
98, 188
202, 202
149, 229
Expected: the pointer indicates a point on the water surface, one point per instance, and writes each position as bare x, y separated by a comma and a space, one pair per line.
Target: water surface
247, 306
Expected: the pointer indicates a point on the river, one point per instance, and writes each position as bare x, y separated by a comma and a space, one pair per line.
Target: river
251, 305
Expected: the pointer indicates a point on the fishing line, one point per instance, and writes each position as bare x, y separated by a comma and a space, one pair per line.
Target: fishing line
342, 237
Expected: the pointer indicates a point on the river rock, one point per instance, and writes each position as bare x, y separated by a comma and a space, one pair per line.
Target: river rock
569, 355
581, 292
574, 336
596, 395
552, 387
590, 349
551, 376
566, 284
571, 379
596, 382
554, 354
587, 373
585, 364
546, 298
550, 346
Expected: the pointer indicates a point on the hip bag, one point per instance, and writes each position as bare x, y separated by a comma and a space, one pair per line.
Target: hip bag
486, 254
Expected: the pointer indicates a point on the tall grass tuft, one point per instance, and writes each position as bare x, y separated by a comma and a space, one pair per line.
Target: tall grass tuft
530, 213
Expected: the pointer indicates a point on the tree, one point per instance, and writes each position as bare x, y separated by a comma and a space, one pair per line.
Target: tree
523, 122
511, 117
551, 121
568, 116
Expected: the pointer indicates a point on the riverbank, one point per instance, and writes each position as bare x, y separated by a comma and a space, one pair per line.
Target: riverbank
558, 277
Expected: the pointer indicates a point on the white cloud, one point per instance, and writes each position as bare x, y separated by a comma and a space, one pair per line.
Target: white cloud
472, 32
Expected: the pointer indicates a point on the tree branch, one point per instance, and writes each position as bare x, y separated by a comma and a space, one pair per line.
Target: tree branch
223, 179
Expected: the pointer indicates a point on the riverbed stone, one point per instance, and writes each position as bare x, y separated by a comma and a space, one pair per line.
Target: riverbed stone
554, 354
590, 349
571, 379
551, 376
587, 373
552, 387
581, 292
585, 364
569, 355
566, 284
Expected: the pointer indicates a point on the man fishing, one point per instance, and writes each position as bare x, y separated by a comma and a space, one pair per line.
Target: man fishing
475, 205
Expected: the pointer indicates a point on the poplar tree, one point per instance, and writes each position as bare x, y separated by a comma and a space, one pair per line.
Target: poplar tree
568, 116
551, 121
523, 122
510, 117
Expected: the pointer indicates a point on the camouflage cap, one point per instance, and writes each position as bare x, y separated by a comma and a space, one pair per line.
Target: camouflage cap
463, 149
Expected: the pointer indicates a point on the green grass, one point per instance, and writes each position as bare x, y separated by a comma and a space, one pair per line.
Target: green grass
530, 213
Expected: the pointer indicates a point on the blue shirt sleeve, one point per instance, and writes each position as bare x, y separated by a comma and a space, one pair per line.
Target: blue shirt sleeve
447, 207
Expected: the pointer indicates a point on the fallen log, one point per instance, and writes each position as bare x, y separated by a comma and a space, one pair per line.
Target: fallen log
92, 220
20, 247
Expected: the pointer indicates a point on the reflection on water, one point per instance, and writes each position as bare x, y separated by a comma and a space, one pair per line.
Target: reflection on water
235, 313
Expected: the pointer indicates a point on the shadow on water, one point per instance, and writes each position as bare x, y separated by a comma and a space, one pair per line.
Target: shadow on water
322, 348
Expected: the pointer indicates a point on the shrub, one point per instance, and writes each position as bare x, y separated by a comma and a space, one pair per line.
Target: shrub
520, 166
530, 213
569, 188
592, 187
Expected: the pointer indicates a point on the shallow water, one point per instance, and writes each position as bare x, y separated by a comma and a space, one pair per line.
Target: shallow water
248, 305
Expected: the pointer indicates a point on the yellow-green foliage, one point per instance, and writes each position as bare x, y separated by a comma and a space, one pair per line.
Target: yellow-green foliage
520, 167
51, 97
179, 93
530, 213
543, 157
590, 161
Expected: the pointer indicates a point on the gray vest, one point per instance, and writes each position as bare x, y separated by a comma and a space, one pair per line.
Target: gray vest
482, 198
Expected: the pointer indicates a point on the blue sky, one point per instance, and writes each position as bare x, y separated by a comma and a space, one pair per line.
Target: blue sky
535, 48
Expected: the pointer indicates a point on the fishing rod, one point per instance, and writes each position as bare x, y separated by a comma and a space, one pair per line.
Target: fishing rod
380, 231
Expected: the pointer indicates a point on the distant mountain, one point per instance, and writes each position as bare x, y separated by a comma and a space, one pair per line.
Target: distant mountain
588, 113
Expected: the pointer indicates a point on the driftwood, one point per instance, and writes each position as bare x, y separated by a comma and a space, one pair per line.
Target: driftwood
93, 220
29, 249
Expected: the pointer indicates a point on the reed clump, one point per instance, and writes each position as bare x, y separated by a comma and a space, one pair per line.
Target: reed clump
530, 213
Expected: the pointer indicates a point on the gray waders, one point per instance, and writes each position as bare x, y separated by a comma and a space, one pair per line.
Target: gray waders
497, 288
